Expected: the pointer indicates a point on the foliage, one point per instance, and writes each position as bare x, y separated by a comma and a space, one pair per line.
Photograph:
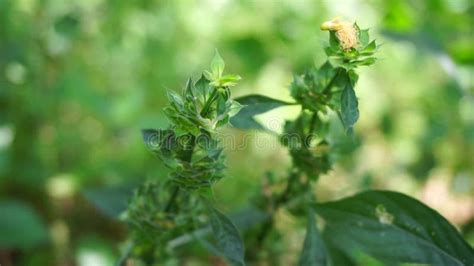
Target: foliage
191, 150
375, 223
78, 79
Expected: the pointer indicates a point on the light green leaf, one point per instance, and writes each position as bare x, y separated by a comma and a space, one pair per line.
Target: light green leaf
349, 107
217, 65
20, 226
235, 108
175, 100
228, 80
393, 228
370, 48
314, 252
364, 37
227, 237
254, 105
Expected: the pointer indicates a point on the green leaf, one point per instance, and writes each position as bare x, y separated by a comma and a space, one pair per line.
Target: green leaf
235, 108
364, 37
111, 201
370, 48
202, 88
227, 237
189, 90
254, 105
393, 228
217, 65
367, 61
175, 100
20, 226
314, 252
333, 41
349, 107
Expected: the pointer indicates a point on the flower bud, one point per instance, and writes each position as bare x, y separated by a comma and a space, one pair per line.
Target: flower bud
346, 32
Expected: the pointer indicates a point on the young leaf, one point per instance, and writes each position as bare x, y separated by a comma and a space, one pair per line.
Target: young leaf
349, 107
314, 252
217, 65
364, 37
370, 48
175, 100
227, 237
254, 105
393, 228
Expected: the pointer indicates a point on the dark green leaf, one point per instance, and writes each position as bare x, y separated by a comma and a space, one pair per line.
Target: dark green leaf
254, 105
111, 201
20, 226
314, 252
227, 237
349, 107
393, 228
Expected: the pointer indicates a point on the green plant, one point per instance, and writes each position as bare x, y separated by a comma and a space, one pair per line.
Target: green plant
387, 226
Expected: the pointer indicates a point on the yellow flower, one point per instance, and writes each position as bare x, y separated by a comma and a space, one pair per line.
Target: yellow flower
346, 33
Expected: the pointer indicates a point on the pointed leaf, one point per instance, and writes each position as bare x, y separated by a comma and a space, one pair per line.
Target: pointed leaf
314, 252
111, 201
349, 107
370, 48
227, 237
393, 228
364, 37
217, 65
175, 100
254, 105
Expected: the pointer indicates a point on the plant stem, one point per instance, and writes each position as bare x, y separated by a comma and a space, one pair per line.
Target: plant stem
186, 158
313, 121
172, 199
281, 200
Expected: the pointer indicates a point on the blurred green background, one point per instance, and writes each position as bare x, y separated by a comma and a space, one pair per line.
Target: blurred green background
79, 79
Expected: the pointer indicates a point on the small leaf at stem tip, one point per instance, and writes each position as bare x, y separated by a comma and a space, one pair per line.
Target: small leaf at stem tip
217, 65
